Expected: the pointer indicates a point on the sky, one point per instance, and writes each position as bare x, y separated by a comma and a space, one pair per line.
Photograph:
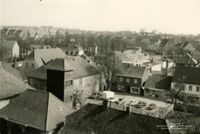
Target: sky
166, 16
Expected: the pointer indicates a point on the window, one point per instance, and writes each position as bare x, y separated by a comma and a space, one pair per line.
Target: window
134, 90
197, 89
120, 87
190, 88
33, 65
121, 79
135, 81
80, 81
127, 80
68, 83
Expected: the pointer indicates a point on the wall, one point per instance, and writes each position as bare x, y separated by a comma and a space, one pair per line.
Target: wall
29, 65
80, 52
145, 75
15, 50
37, 83
187, 88
89, 84
130, 83
55, 83
157, 67
3, 103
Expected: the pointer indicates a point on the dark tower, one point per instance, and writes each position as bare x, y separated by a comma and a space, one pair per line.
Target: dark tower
55, 83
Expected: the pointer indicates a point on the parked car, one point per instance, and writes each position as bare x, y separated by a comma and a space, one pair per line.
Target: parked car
151, 106
133, 102
96, 96
140, 104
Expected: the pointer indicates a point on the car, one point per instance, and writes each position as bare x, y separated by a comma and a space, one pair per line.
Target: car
151, 106
137, 106
133, 102
142, 103
95, 96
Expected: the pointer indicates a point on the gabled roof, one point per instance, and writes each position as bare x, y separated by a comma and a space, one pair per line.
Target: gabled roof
163, 42
130, 70
42, 56
73, 48
78, 65
185, 58
10, 85
36, 109
187, 74
9, 44
167, 43
93, 119
159, 81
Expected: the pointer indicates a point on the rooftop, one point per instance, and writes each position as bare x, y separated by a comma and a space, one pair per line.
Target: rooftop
130, 71
10, 85
94, 119
185, 59
78, 65
36, 109
159, 81
187, 74
42, 56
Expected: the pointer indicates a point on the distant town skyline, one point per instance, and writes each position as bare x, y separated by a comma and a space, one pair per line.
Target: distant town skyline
166, 16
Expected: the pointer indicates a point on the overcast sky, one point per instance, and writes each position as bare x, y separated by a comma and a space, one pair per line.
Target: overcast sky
171, 16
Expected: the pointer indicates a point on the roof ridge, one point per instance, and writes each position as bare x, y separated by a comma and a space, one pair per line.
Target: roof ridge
36, 90
47, 109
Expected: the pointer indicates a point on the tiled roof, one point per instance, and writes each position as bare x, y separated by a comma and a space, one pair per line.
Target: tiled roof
163, 42
79, 66
42, 56
36, 109
187, 74
10, 85
185, 58
159, 81
93, 119
130, 70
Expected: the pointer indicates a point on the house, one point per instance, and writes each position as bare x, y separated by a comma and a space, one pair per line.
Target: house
130, 79
185, 59
94, 119
158, 85
187, 46
167, 44
12, 48
74, 50
10, 86
132, 56
187, 79
34, 112
65, 76
39, 57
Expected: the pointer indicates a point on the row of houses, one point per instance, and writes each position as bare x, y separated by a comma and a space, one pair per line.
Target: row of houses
31, 111
141, 81
56, 79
